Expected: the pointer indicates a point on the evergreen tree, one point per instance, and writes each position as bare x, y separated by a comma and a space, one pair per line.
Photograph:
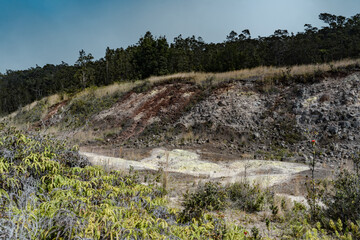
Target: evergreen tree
338, 39
86, 72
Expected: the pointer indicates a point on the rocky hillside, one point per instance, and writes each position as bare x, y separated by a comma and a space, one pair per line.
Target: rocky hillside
256, 116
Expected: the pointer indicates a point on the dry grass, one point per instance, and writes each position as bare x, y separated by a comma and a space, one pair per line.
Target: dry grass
111, 90
84, 136
262, 72
56, 98
48, 101
13, 115
98, 92
247, 156
189, 137
200, 78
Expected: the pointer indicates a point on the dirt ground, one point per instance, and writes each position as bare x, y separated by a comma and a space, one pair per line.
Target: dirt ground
186, 168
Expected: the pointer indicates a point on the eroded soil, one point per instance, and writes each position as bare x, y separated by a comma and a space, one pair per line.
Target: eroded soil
135, 111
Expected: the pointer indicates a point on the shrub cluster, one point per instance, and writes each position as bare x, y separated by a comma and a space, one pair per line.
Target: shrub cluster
343, 202
82, 108
333, 213
208, 197
48, 191
214, 197
248, 197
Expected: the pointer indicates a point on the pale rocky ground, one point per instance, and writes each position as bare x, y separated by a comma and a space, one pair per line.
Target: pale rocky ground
190, 165
186, 169
266, 172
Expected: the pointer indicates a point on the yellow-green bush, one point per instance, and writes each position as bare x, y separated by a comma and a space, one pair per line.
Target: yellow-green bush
48, 191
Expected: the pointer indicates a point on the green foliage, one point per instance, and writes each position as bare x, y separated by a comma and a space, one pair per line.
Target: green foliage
33, 115
208, 197
343, 201
214, 197
48, 191
255, 232
248, 197
296, 223
338, 217
146, 86
83, 107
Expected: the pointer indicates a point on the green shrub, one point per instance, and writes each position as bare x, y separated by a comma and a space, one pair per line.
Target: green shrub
248, 197
48, 191
208, 197
146, 86
32, 115
343, 201
82, 108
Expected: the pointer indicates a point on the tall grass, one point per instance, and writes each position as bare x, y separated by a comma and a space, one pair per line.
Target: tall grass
261, 71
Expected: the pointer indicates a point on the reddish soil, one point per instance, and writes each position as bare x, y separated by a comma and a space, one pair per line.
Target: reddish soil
53, 110
135, 111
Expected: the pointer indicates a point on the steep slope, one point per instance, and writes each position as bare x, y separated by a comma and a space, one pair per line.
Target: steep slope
241, 119
136, 111
284, 120
259, 117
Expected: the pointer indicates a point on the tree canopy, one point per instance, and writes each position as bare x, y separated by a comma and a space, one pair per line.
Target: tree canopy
338, 39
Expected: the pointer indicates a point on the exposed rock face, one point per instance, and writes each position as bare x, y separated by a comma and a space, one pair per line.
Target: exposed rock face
228, 107
332, 109
240, 117
135, 111
328, 111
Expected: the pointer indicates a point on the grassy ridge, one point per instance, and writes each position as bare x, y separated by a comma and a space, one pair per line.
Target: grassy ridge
264, 77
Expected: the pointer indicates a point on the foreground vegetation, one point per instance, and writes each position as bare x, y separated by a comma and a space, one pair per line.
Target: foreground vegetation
49, 191
334, 214
154, 56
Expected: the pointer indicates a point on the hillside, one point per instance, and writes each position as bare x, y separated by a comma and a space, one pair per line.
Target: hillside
264, 112
192, 154
337, 39
246, 138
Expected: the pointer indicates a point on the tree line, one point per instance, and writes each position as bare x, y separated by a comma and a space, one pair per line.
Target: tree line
338, 39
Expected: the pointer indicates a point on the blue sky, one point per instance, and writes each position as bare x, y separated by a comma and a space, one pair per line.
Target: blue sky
50, 31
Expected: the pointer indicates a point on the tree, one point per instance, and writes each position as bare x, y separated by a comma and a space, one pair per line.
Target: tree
151, 55
232, 37
179, 55
110, 62
245, 34
339, 39
85, 73
329, 19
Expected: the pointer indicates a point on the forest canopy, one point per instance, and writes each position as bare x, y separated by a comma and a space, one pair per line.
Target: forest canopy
151, 55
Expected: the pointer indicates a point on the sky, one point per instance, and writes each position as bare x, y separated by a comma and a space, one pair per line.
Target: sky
39, 32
